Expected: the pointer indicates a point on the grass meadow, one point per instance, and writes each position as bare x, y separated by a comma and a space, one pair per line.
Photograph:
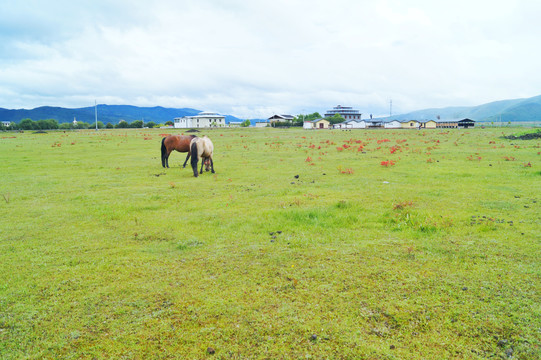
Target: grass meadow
363, 244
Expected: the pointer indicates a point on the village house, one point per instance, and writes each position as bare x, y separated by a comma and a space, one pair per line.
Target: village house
456, 124
201, 120
411, 124
261, 124
430, 124
281, 118
317, 124
351, 124
394, 124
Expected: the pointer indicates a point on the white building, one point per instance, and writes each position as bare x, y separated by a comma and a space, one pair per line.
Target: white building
351, 124
203, 119
6, 123
395, 124
261, 124
347, 112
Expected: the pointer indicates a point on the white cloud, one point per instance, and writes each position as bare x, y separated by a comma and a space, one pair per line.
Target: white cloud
255, 58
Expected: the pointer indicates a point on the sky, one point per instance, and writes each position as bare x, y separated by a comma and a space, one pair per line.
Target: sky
256, 58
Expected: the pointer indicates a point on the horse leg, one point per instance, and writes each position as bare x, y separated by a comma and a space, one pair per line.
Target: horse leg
194, 168
211, 165
165, 159
202, 162
185, 162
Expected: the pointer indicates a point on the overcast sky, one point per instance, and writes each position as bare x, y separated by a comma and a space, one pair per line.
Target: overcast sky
256, 58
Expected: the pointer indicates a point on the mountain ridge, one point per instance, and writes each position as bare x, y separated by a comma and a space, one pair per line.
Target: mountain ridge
106, 114
511, 110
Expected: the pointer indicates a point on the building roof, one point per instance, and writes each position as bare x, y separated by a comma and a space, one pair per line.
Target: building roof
318, 120
282, 117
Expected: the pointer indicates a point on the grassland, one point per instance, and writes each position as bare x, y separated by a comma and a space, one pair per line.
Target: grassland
304, 244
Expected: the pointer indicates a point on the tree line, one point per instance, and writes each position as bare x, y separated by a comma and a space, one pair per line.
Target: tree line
52, 124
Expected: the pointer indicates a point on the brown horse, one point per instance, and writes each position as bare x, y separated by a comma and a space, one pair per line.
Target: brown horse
180, 143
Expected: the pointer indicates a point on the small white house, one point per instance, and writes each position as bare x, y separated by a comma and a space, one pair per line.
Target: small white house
6, 123
351, 124
203, 119
261, 124
357, 124
395, 124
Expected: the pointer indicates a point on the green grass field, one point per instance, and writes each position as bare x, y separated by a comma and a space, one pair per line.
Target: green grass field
360, 244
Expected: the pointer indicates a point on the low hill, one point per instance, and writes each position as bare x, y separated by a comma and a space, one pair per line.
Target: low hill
106, 114
515, 110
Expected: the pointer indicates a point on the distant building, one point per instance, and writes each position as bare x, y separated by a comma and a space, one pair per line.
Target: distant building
203, 119
411, 124
455, 124
235, 123
346, 112
6, 123
261, 124
281, 118
351, 124
394, 124
316, 124
430, 124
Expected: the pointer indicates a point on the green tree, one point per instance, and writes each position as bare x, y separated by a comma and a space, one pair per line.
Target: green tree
109, 126
49, 124
335, 119
245, 123
169, 123
137, 124
123, 124
150, 124
82, 125
27, 124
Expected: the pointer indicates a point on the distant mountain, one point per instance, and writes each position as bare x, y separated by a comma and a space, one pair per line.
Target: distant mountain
516, 110
106, 114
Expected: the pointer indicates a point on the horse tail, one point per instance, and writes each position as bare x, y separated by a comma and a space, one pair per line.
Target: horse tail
194, 154
164, 152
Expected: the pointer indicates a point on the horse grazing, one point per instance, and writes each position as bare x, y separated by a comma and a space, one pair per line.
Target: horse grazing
180, 143
202, 148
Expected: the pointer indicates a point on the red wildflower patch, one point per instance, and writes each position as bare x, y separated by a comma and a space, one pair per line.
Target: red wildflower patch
388, 163
402, 205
